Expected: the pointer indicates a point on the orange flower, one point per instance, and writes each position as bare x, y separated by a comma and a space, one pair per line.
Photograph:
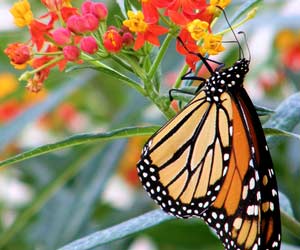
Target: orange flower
19, 54
145, 31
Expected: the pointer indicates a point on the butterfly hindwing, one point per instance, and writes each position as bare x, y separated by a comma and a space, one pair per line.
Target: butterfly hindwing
270, 210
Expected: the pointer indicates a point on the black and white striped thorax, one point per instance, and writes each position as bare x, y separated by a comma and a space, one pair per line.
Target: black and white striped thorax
225, 80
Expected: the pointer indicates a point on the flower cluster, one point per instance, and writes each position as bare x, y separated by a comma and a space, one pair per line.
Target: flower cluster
65, 33
58, 36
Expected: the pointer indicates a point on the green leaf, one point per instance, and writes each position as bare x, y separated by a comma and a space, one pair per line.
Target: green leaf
280, 132
79, 140
286, 117
119, 231
12, 129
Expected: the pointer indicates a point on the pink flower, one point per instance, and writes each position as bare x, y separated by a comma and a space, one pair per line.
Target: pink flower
62, 36
99, 10
90, 22
86, 7
71, 53
89, 45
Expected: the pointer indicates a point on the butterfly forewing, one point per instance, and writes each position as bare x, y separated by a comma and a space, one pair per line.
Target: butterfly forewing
187, 159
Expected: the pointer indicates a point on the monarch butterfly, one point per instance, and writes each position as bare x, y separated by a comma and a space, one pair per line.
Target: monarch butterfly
212, 161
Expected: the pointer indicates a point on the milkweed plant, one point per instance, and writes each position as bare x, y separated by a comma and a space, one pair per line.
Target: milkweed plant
129, 42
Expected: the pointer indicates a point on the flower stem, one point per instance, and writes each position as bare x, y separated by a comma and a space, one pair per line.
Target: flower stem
177, 83
160, 55
25, 76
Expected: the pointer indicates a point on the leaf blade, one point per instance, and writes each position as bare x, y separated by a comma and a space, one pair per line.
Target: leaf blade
119, 231
78, 140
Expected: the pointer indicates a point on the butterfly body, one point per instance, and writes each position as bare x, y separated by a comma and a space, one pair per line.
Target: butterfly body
212, 161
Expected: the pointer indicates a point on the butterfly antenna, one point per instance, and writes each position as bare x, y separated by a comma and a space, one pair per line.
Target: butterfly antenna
241, 53
203, 59
246, 42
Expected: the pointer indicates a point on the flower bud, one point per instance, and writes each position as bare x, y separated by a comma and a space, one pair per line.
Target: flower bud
74, 24
62, 36
89, 45
99, 10
127, 39
112, 41
19, 54
90, 22
71, 53
86, 7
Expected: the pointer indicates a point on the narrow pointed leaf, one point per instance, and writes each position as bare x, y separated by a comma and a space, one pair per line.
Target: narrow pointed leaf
119, 231
80, 139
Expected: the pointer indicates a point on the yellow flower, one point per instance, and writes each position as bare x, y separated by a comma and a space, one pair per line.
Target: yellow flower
197, 29
8, 84
220, 3
22, 13
214, 4
136, 22
213, 44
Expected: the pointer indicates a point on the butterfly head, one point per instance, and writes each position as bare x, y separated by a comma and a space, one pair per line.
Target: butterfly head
234, 75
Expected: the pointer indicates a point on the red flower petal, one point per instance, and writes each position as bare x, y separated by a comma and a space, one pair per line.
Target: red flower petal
139, 41
178, 18
152, 38
150, 12
38, 30
156, 29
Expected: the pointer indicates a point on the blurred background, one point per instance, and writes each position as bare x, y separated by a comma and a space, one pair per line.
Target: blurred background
59, 197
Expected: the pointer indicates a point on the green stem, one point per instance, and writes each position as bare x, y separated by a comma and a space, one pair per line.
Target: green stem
160, 55
290, 223
121, 63
25, 76
135, 66
48, 53
177, 83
